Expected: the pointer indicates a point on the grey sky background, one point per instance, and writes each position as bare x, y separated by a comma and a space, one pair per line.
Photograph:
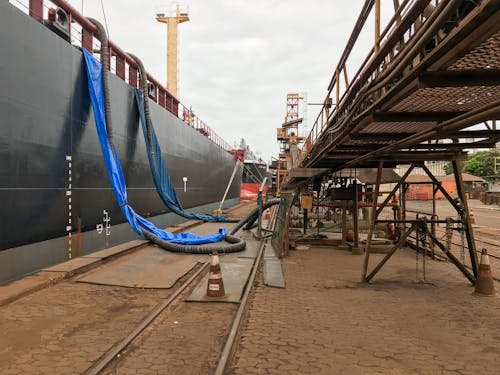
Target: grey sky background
238, 59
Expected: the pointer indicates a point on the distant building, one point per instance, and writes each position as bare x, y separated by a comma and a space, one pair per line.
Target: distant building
436, 168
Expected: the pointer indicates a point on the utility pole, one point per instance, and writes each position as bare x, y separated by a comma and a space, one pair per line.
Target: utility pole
172, 16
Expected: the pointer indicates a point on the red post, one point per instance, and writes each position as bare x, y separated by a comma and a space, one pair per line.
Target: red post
168, 102
132, 76
175, 107
36, 9
120, 67
161, 98
87, 39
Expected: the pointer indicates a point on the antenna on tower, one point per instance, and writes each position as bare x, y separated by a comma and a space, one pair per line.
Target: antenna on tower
172, 15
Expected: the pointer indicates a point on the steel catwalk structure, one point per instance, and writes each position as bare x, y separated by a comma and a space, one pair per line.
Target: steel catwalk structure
432, 72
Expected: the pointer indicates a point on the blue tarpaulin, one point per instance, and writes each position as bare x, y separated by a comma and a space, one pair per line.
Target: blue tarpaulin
113, 167
160, 173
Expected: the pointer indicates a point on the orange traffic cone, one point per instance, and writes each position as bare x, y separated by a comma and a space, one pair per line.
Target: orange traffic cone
484, 284
215, 287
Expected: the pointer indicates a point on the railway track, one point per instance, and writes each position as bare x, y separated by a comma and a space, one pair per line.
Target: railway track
460, 250
85, 323
118, 354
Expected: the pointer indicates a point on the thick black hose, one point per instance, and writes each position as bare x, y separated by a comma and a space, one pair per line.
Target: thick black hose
253, 215
235, 244
103, 38
143, 84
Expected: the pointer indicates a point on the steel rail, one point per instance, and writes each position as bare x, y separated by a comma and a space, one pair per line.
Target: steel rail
422, 35
228, 346
345, 130
427, 251
118, 348
115, 50
231, 339
90, 27
372, 61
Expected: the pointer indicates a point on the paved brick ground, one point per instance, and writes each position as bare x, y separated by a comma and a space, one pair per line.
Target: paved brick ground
325, 322
66, 327
63, 328
187, 340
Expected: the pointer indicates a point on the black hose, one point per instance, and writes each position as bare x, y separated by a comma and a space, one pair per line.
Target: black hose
235, 244
253, 216
255, 213
143, 84
103, 38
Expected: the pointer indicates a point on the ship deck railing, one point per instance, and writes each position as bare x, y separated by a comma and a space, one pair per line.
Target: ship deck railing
81, 34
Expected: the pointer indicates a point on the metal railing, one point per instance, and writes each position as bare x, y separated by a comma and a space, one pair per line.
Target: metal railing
408, 18
81, 34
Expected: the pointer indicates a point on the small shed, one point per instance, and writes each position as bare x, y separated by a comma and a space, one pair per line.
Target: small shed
470, 182
419, 187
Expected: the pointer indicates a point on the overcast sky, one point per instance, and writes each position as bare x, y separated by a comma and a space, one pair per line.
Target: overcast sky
238, 59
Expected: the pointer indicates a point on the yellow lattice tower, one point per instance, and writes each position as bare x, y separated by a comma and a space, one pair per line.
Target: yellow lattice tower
288, 136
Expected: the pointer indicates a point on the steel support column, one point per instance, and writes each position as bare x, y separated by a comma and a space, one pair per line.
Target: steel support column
373, 218
355, 214
401, 241
453, 259
464, 214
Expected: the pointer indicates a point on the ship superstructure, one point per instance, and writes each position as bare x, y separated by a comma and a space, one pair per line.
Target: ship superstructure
255, 170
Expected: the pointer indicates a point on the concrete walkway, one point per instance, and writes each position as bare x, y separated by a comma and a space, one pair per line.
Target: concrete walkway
325, 322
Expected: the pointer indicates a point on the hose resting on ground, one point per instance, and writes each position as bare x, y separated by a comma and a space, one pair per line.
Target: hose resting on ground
253, 216
235, 244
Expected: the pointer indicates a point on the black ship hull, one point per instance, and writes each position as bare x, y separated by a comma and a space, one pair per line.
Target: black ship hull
53, 182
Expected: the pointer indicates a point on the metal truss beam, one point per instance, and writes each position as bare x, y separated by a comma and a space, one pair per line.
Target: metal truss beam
381, 116
460, 78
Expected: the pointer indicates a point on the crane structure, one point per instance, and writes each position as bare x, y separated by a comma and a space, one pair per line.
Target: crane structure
289, 138
172, 16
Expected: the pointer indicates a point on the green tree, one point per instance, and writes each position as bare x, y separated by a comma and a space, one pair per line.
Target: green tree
448, 168
481, 163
